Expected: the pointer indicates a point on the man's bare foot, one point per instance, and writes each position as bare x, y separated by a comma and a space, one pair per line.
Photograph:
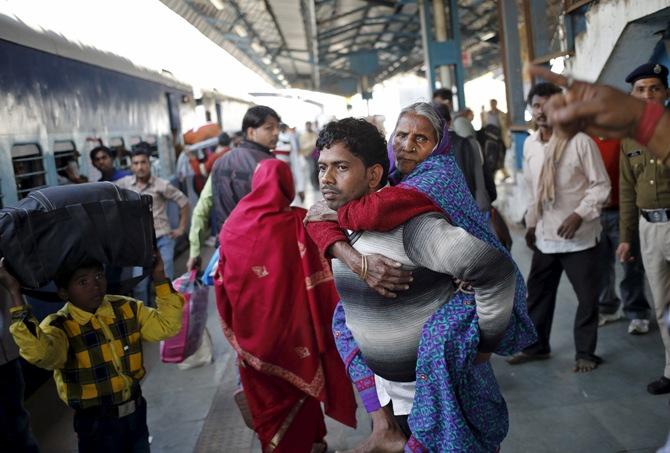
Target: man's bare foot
386, 436
586, 365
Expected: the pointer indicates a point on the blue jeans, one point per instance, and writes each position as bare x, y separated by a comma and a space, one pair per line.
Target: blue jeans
15, 433
142, 291
631, 288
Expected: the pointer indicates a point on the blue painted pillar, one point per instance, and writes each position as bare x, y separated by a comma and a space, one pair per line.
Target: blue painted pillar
442, 47
516, 103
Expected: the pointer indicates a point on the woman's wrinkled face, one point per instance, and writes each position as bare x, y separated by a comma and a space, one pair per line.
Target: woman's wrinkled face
413, 141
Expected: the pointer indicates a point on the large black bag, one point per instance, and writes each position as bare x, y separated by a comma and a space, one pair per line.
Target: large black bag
57, 228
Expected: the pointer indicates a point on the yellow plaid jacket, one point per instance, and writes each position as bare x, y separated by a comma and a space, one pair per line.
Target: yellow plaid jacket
97, 357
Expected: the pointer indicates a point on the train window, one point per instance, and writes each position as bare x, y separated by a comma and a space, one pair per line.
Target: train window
67, 162
28, 165
121, 154
153, 144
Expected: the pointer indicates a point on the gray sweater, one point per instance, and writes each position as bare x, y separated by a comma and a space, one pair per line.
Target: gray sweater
388, 330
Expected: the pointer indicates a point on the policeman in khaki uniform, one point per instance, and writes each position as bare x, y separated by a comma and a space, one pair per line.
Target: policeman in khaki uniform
645, 207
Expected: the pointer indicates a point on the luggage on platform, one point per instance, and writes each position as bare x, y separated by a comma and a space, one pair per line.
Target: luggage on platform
194, 319
59, 227
209, 130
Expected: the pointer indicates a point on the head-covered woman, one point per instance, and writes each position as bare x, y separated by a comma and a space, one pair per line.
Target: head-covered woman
276, 297
426, 179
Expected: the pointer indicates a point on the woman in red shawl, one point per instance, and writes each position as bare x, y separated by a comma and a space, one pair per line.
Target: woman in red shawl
276, 297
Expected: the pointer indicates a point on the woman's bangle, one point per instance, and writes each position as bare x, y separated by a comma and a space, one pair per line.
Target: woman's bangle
364, 267
651, 116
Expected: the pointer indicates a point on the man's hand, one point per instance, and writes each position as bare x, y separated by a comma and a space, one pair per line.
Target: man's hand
530, 238
587, 107
174, 234
320, 212
570, 226
623, 252
386, 276
158, 272
194, 262
8, 280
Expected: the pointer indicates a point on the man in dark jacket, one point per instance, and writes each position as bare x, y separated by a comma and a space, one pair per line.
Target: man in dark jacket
231, 176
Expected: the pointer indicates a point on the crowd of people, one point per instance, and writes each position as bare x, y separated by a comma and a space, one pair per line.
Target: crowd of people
399, 284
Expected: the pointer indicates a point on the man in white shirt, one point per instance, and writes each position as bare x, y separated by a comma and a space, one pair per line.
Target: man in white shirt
568, 186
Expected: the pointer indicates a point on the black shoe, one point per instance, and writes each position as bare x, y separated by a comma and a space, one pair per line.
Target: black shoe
659, 387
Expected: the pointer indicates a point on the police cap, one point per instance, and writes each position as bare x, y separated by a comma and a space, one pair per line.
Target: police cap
647, 71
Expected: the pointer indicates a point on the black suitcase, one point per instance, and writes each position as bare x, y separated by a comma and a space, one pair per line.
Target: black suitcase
59, 227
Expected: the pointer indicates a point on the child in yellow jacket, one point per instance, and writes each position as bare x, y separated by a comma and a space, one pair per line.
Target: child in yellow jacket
94, 346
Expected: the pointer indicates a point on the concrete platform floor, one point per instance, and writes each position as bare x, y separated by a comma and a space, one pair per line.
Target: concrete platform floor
551, 408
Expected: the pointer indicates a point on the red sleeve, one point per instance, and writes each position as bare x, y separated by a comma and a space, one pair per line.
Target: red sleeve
325, 234
384, 210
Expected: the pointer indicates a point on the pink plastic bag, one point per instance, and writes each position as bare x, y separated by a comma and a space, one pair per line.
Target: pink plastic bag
186, 342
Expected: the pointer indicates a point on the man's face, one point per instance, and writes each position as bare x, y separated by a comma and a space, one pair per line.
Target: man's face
537, 110
413, 141
308, 126
266, 134
86, 288
494, 105
140, 166
103, 162
650, 89
342, 176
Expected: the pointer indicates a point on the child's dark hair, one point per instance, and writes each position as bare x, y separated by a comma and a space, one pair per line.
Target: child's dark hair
64, 275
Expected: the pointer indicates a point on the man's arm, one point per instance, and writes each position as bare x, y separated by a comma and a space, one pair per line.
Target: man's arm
173, 194
601, 110
531, 212
628, 213
431, 241
200, 222
165, 320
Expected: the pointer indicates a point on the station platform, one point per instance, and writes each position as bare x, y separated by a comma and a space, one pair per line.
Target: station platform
551, 408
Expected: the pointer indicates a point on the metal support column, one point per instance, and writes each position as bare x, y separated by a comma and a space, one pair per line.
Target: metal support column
442, 47
509, 18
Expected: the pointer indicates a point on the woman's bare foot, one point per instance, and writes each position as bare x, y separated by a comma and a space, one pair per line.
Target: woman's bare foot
386, 436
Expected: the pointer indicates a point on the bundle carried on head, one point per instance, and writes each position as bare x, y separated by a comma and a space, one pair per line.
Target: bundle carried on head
60, 227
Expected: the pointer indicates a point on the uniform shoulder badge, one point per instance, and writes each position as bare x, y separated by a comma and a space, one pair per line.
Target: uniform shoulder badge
634, 153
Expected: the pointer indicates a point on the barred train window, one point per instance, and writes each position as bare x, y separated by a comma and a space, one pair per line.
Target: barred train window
28, 165
153, 144
121, 154
65, 155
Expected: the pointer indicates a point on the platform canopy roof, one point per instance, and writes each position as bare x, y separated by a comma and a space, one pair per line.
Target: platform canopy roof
336, 46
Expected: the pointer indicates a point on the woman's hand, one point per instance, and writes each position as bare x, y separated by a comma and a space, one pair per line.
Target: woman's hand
320, 212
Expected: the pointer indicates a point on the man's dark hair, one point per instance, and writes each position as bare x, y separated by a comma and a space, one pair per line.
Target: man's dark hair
443, 111
443, 93
543, 90
141, 149
256, 116
224, 139
362, 139
98, 149
64, 274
